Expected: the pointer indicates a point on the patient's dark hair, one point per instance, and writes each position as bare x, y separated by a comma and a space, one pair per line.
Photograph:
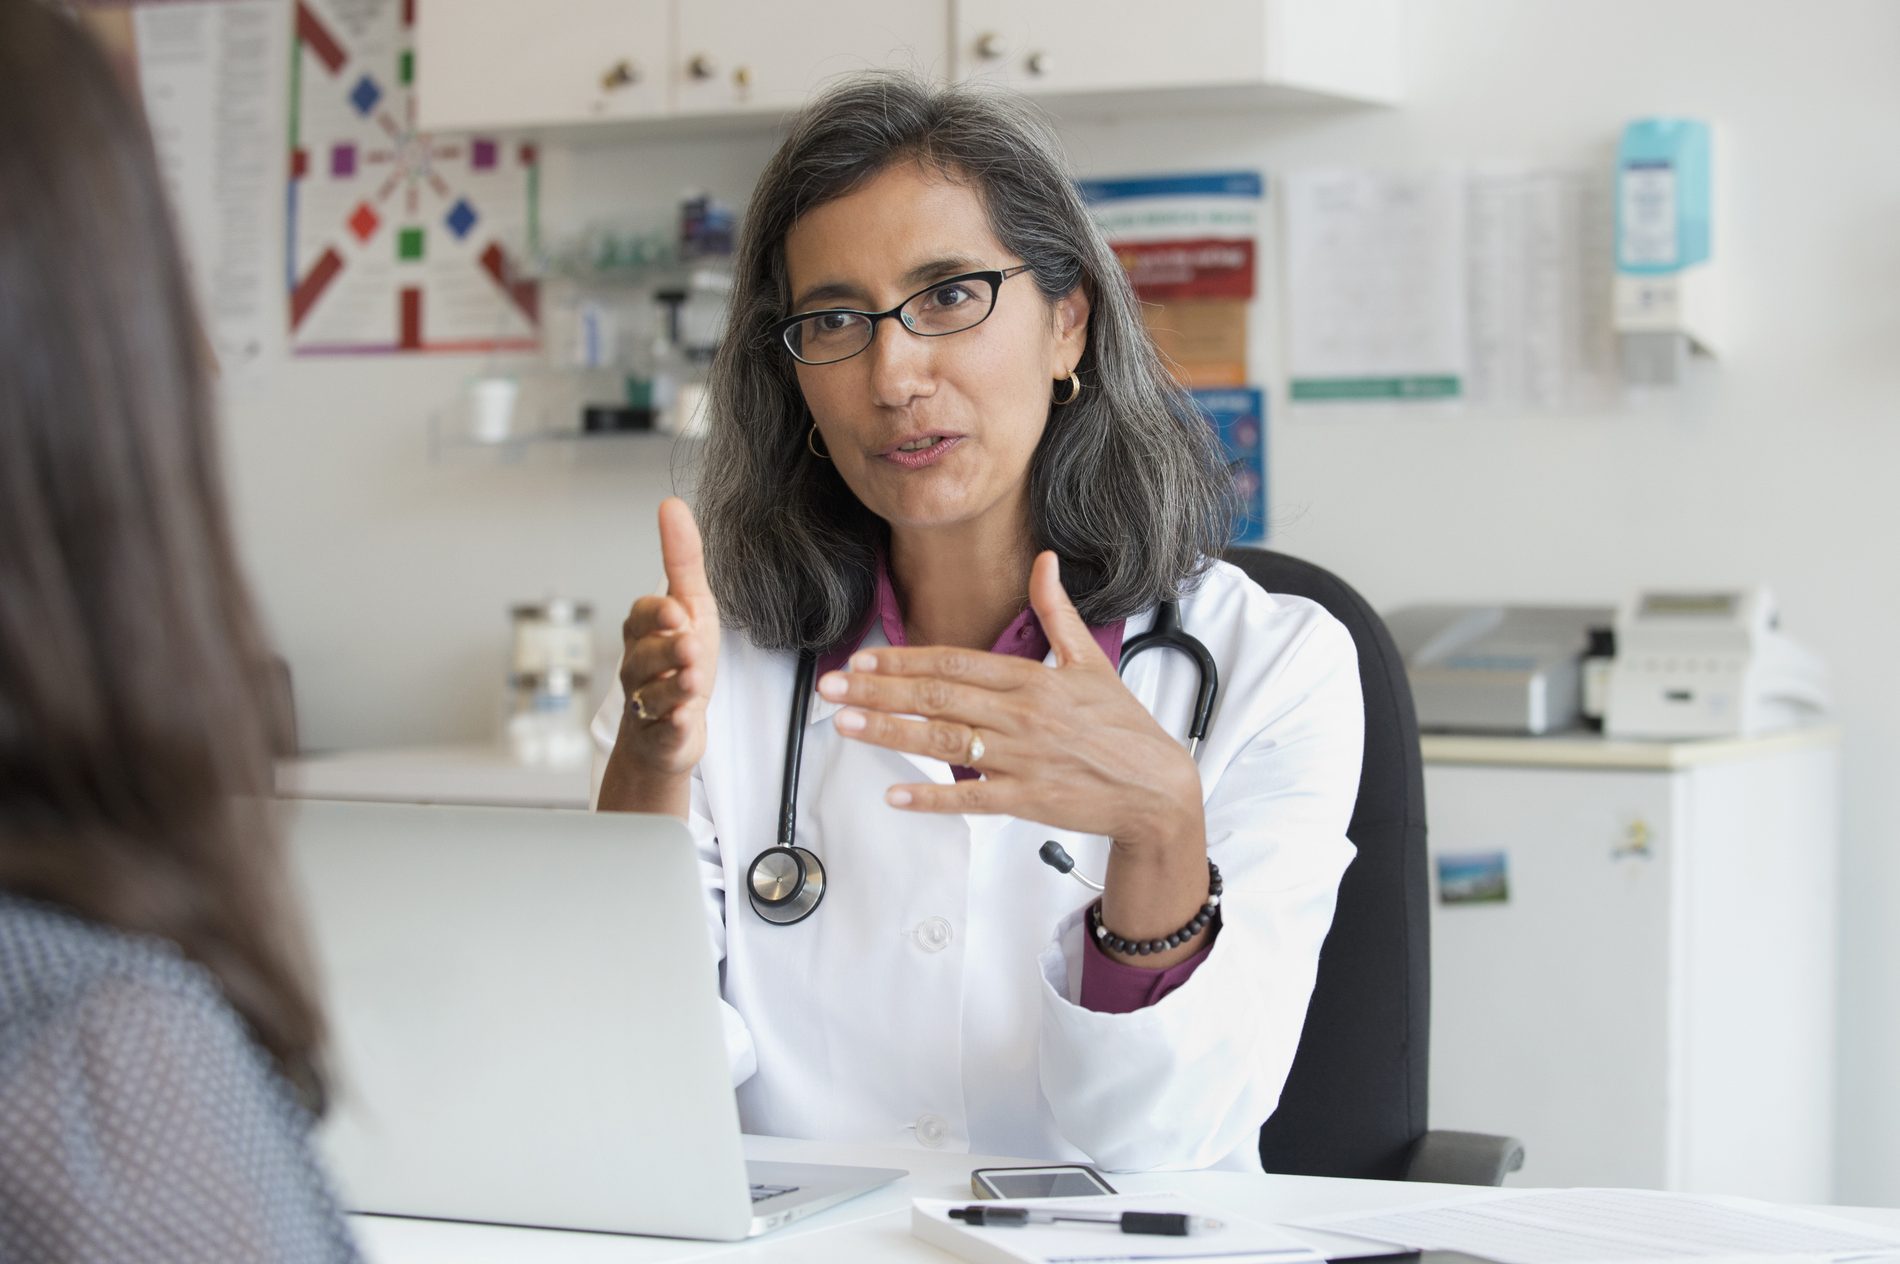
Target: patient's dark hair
137, 724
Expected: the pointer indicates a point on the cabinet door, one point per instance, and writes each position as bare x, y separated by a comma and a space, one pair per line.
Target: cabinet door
1551, 1008
504, 63
740, 55
1040, 46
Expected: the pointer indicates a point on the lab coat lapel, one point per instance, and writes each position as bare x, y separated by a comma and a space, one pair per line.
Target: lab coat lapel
822, 711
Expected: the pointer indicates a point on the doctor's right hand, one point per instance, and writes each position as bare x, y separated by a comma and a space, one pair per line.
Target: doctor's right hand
671, 651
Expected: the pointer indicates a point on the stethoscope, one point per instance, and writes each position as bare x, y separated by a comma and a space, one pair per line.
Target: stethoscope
786, 882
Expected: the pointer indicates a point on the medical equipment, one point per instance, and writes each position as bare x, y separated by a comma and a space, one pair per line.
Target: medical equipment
547, 686
1496, 669
786, 882
1709, 664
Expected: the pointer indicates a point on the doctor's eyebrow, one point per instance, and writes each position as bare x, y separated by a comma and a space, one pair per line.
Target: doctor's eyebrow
844, 291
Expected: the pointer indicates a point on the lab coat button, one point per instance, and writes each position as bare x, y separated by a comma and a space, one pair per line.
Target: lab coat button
932, 934
932, 1131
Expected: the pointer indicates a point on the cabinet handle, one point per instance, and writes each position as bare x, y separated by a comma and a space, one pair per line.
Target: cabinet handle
701, 67
742, 77
1039, 63
619, 75
1635, 842
990, 46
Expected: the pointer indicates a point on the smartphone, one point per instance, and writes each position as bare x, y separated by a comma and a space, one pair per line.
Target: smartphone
1058, 1180
1414, 1257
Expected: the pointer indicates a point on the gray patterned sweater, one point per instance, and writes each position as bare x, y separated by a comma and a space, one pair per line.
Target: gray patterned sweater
138, 1119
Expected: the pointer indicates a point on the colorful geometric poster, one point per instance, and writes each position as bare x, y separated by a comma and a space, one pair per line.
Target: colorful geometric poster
1239, 417
398, 240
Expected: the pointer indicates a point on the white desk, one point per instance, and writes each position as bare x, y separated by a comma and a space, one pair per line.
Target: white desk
876, 1227
479, 774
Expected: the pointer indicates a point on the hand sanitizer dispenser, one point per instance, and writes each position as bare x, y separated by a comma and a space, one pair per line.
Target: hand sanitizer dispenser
1666, 304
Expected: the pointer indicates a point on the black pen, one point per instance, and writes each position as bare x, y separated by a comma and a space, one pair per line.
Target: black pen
1176, 1224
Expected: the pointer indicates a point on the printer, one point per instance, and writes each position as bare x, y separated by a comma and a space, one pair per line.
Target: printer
1496, 669
1709, 664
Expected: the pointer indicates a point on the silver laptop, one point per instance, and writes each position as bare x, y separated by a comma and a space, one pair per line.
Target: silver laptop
525, 1024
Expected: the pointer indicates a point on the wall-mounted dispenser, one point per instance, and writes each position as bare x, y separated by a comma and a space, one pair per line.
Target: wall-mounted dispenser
1666, 269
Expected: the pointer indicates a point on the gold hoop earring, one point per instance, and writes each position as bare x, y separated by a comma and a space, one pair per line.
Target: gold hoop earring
1075, 391
811, 441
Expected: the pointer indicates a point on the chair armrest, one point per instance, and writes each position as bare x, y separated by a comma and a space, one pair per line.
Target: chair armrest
1464, 1158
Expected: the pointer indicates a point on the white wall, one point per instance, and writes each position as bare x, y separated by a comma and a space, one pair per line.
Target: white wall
388, 577
388, 573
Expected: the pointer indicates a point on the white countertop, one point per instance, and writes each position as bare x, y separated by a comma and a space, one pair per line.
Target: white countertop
877, 1225
1592, 750
490, 774
477, 774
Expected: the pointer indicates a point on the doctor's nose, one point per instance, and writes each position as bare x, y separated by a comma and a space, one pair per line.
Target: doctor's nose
900, 363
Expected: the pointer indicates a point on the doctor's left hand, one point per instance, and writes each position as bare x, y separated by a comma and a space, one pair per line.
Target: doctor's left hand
1069, 747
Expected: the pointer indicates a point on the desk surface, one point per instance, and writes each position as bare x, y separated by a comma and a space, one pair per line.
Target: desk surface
876, 1227
479, 774
490, 774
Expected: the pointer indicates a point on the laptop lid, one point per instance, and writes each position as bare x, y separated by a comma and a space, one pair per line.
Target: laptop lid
524, 1018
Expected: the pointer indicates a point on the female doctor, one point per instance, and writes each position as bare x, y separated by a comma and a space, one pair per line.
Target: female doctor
947, 462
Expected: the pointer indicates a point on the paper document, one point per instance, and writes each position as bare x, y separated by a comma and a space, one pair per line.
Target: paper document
1538, 264
1376, 285
210, 73
1574, 1225
1488, 287
1237, 1241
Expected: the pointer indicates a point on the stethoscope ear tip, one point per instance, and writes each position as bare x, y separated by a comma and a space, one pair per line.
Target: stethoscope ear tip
1056, 858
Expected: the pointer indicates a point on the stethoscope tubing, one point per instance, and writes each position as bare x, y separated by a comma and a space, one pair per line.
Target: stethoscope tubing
808, 887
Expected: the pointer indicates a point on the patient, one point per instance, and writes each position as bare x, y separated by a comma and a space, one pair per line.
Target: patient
158, 1041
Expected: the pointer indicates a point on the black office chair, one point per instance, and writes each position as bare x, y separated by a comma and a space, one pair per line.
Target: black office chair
1354, 1102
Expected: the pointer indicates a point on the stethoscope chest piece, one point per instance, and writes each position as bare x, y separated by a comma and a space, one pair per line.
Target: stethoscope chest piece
785, 884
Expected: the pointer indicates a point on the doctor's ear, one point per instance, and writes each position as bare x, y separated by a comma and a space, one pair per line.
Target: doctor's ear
1071, 316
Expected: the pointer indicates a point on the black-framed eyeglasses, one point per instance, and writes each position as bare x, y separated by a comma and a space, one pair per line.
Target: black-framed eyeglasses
943, 307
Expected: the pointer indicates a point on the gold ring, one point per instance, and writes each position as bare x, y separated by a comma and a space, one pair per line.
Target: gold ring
640, 711
976, 749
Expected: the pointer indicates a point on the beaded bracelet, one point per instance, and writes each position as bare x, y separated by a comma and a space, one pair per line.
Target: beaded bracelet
1142, 947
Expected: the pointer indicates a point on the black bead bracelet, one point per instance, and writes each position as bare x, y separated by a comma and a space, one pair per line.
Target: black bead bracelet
1143, 947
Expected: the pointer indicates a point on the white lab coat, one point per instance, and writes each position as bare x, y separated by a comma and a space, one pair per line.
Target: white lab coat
931, 998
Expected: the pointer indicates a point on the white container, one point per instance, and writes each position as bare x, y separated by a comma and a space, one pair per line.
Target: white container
491, 408
548, 682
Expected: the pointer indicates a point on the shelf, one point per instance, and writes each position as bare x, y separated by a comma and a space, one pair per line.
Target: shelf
540, 408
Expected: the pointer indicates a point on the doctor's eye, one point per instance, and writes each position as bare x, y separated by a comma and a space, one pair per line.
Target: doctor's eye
952, 295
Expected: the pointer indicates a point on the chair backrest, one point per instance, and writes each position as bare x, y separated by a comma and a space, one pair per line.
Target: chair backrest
1354, 1102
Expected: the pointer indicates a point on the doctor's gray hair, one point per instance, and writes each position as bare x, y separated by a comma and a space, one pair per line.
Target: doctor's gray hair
1128, 486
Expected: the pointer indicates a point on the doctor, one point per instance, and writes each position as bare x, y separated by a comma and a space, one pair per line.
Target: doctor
947, 462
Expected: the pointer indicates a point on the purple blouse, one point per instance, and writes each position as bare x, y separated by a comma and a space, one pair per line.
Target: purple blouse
1108, 986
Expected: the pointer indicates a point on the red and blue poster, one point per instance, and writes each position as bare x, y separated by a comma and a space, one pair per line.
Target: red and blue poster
1239, 417
398, 240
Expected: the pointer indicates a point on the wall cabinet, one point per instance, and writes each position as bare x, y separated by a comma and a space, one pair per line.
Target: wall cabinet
741, 55
501, 64
1651, 1001
507, 64
1242, 49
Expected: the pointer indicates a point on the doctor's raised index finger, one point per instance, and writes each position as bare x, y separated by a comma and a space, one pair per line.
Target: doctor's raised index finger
970, 667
